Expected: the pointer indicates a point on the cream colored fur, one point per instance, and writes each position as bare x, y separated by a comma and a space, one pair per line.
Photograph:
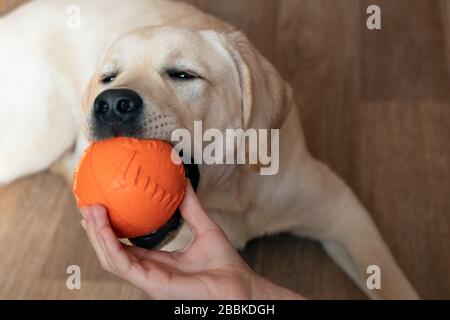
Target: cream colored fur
49, 71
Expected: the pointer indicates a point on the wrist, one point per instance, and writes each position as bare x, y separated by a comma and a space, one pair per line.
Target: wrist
262, 289
258, 287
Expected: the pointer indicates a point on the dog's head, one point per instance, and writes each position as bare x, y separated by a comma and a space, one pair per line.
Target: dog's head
155, 80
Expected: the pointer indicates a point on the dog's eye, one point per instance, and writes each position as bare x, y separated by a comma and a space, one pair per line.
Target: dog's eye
181, 75
108, 78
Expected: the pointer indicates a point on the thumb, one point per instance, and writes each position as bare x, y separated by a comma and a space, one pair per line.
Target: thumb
194, 214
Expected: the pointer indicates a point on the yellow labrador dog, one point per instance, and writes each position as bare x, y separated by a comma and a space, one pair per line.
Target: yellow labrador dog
179, 65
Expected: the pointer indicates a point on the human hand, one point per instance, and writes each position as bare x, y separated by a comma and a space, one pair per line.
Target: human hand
210, 268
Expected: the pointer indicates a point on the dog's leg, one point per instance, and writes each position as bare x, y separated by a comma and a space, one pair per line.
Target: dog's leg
66, 164
33, 133
335, 217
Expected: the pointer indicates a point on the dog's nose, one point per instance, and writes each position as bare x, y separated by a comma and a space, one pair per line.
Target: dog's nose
116, 105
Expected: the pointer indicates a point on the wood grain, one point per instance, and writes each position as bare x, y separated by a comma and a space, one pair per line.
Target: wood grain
375, 107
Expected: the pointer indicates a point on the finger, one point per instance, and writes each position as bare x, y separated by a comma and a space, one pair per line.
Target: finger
101, 221
91, 230
119, 260
194, 214
102, 224
116, 261
132, 271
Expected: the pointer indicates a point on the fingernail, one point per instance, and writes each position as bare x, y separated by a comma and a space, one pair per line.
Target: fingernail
83, 223
84, 212
95, 218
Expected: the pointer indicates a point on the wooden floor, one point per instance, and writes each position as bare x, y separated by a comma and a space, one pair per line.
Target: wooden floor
375, 106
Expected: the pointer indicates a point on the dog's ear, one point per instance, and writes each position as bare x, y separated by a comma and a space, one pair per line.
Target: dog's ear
267, 98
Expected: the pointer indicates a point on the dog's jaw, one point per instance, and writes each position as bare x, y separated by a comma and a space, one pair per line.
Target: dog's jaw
169, 230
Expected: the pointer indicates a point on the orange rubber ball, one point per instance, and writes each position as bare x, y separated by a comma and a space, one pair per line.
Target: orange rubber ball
135, 180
